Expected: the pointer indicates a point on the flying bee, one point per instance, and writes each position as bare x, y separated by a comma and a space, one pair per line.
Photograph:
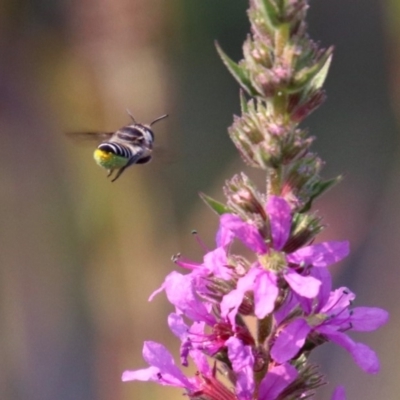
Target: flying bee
129, 145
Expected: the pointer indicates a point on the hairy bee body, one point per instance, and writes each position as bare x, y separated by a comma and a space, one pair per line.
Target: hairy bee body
129, 145
132, 144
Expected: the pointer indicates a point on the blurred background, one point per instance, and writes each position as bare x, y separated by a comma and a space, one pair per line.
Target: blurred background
80, 255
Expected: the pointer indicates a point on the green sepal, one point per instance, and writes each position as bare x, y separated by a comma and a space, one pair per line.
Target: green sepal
270, 12
318, 189
243, 103
315, 75
215, 205
318, 80
239, 73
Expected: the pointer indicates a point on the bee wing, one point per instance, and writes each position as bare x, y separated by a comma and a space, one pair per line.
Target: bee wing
90, 136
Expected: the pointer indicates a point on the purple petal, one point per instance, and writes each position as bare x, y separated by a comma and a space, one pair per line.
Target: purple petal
197, 330
184, 350
224, 235
305, 286
230, 305
364, 357
146, 374
289, 304
339, 394
338, 301
216, 262
265, 293
169, 279
177, 325
180, 292
245, 232
242, 360
201, 362
309, 305
190, 341
320, 255
324, 276
162, 368
290, 341
280, 218
161, 288
367, 319
276, 380
335, 336
232, 301
156, 355
240, 355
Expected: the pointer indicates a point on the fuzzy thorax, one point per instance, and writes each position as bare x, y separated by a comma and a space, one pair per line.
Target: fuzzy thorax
109, 160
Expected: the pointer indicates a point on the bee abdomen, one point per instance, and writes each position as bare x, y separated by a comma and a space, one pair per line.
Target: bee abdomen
117, 149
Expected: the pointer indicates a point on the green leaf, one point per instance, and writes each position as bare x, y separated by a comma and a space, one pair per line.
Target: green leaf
239, 73
322, 187
318, 80
319, 188
215, 205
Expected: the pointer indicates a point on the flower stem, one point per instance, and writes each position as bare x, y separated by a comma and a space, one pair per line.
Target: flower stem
274, 181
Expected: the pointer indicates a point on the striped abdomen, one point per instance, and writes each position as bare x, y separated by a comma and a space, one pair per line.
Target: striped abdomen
112, 155
117, 149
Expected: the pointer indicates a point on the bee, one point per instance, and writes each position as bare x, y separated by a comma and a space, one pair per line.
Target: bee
129, 145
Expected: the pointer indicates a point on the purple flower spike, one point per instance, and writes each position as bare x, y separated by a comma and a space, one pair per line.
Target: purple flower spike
253, 317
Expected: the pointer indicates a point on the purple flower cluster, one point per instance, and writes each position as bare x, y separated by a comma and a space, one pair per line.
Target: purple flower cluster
282, 284
249, 319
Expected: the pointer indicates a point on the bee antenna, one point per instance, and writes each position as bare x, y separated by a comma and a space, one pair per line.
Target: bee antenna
158, 119
130, 114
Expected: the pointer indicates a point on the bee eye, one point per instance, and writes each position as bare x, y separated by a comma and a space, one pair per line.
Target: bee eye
150, 132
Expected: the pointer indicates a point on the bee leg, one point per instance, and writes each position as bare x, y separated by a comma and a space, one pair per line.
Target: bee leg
110, 171
132, 160
120, 171
143, 160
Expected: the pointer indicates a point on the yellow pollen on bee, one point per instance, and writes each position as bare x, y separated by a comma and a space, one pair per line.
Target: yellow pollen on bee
109, 160
102, 156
